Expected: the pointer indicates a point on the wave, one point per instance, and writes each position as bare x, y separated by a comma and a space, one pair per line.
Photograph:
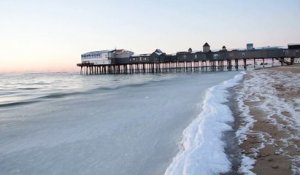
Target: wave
12, 104
202, 150
38, 99
59, 95
29, 88
66, 93
132, 84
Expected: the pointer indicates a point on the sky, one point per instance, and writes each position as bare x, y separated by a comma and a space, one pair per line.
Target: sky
50, 35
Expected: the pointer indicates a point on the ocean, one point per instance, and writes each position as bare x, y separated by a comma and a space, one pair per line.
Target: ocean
141, 124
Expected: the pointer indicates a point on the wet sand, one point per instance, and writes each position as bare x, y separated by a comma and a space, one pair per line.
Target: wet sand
273, 140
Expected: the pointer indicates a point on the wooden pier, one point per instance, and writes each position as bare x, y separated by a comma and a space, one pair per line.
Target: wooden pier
193, 66
193, 62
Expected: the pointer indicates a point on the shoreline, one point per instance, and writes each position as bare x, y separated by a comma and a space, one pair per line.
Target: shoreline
232, 148
203, 146
266, 126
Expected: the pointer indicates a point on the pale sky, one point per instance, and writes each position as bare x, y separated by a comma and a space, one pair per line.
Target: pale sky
50, 35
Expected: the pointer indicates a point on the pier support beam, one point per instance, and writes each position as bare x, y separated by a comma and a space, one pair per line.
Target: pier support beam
292, 60
229, 65
282, 61
245, 64
236, 64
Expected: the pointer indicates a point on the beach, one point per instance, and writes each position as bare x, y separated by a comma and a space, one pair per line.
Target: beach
267, 109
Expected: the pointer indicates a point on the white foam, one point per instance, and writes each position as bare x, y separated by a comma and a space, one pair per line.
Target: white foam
247, 164
261, 89
202, 149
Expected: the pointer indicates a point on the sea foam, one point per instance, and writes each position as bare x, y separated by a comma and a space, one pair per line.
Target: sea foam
269, 100
202, 150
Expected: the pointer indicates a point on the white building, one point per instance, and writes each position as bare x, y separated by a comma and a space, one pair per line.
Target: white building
97, 57
104, 56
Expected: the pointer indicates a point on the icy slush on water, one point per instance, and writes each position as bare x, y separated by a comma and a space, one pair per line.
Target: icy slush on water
126, 124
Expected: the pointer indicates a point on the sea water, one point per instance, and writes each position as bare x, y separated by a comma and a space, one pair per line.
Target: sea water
65, 123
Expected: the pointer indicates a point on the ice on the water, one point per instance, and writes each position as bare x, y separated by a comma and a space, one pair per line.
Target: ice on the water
126, 130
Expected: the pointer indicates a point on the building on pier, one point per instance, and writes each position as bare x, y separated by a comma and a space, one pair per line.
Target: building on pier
155, 57
96, 57
119, 55
187, 56
250, 46
123, 61
294, 46
224, 49
106, 57
206, 47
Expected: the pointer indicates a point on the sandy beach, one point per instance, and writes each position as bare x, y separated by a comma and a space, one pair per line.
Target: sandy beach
268, 120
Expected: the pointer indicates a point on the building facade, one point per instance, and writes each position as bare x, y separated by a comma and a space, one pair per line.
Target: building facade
105, 56
96, 57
